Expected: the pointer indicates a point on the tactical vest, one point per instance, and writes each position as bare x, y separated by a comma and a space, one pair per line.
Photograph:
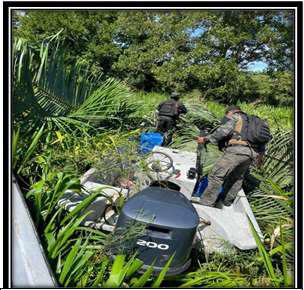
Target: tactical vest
238, 137
169, 108
250, 130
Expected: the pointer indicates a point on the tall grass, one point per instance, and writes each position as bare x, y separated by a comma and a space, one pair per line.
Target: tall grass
278, 117
149, 101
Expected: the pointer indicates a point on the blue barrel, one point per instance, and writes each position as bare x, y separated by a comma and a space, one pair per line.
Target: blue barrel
202, 185
149, 140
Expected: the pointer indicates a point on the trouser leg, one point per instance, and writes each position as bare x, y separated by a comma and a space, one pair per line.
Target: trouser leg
167, 138
212, 191
235, 180
168, 129
216, 178
232, 192
161, 125
228, 172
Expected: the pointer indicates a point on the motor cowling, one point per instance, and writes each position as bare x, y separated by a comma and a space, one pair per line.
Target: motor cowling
170, 226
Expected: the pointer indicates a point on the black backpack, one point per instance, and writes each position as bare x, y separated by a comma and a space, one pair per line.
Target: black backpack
255, 130
168, 108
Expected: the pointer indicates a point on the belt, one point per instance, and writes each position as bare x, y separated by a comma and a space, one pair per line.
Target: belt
233, 142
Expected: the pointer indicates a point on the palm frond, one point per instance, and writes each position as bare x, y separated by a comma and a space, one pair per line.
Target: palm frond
69, 96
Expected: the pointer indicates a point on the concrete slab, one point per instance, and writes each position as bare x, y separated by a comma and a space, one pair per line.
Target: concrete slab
30, 266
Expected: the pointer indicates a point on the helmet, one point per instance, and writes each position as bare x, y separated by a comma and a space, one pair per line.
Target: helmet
232, 108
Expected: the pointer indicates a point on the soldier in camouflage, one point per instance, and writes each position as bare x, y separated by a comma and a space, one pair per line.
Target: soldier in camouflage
229, 170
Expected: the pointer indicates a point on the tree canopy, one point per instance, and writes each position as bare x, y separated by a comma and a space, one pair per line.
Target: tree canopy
182, 50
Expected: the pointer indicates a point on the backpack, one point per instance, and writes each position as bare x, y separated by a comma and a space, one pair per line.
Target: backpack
255, 130
168, 108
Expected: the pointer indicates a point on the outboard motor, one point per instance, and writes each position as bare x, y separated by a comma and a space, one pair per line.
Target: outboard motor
171, 222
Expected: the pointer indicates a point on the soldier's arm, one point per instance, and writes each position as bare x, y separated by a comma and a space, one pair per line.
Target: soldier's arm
222, 132
182, 109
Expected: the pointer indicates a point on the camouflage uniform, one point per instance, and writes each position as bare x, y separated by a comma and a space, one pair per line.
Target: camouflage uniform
229, 169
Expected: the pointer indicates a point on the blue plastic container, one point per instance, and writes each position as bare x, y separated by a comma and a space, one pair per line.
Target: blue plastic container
200, 188
202, 185
149, 140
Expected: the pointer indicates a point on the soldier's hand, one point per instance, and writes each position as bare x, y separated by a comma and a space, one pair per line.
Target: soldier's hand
201, 140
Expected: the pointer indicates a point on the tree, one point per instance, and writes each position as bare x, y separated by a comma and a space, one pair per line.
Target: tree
166, 50
86, 35
254, 35
205, 50
282, 88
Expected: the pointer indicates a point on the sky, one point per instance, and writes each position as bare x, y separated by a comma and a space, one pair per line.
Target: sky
257, 66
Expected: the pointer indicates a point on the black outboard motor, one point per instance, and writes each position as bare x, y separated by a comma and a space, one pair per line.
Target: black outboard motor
171, 223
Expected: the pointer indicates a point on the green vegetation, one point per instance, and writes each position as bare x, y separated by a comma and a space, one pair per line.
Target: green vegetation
278, 117
83, 92
207, 51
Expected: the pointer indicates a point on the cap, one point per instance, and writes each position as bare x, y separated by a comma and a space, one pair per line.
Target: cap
175, 95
